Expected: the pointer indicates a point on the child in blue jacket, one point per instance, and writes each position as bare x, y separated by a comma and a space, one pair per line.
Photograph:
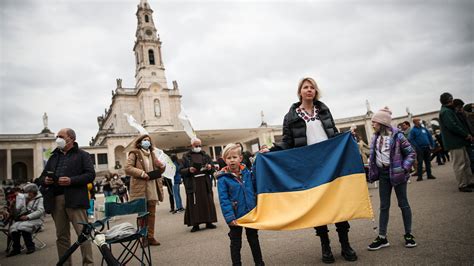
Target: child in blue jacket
237, 197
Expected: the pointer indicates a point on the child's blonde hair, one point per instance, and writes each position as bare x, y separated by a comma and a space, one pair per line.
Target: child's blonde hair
230, 147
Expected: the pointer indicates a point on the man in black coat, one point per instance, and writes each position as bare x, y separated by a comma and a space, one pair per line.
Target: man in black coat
64, 181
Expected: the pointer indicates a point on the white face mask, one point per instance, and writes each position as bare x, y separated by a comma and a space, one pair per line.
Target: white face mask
196, 149
61, 143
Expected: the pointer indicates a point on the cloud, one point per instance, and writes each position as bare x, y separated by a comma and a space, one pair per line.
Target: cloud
232, 59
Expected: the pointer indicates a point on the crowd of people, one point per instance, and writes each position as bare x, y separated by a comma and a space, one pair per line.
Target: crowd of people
66, 187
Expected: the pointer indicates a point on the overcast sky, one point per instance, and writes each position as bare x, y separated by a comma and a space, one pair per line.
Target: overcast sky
232, 59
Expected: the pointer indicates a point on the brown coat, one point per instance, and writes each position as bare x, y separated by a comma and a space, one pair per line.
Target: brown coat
134, 168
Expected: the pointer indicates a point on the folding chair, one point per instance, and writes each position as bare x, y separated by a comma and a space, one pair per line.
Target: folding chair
39, 244
137, 240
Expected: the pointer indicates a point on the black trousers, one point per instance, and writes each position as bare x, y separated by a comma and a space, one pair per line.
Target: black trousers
169, 187
27, 237
235, 235
342, 229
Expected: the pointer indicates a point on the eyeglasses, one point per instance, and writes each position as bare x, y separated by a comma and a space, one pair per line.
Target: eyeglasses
197, 146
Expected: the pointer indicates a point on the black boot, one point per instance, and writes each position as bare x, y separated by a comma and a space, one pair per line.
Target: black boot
16, 249
346, 251
326, 248
252, 238
30, 245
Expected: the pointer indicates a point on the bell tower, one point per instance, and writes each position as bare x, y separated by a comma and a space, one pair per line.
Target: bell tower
149, 66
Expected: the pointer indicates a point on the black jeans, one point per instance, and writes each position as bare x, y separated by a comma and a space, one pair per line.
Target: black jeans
235, 235
27, 237
423, 155
169, 187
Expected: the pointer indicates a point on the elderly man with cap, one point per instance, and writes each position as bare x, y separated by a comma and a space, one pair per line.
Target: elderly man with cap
27, 220
456, 139
423, 142
196, 171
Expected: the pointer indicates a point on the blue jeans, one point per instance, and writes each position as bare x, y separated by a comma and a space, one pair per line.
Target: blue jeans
107, 193
385, 192
177, 197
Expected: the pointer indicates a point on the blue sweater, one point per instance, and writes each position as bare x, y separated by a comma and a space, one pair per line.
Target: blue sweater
420, 137
236, 196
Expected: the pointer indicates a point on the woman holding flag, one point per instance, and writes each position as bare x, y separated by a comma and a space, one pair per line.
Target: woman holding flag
309, 121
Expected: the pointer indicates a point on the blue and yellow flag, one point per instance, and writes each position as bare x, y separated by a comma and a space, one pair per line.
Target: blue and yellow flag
310, 186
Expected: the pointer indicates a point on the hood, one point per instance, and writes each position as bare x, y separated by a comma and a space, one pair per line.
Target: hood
225, 172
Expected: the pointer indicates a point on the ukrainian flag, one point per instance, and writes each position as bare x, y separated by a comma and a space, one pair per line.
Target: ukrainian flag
310, 186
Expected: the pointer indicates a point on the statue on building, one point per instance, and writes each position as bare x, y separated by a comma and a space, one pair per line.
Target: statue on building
410, 115
175, 85
45, 125
45, 120
263, 124
119, 83
367, 104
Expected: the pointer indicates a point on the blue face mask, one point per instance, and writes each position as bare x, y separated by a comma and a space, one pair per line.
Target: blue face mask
145, 144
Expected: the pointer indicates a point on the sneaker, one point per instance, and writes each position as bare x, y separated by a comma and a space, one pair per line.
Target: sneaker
431, 177
378, 243
409, 241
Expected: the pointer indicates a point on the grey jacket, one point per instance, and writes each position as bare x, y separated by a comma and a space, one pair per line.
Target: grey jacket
35, 209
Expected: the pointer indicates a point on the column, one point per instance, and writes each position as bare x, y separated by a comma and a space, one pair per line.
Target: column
9, 164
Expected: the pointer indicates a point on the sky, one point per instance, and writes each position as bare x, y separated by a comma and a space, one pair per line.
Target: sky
232, 59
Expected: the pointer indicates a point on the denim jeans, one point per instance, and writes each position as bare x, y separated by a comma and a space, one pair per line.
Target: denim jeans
385, 192
177, 197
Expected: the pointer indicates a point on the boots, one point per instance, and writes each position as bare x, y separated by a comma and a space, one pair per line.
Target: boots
326, 248
151, 224
30, 245
252, 238
15, 237
346, 251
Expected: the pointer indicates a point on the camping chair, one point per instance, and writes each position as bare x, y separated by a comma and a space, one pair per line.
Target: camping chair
138, 239
39, 244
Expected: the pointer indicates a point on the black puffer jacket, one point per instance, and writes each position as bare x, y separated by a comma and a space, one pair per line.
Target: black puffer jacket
81, 171
294, 127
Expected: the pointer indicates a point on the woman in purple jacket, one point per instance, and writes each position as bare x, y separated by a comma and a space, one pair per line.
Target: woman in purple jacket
391, 157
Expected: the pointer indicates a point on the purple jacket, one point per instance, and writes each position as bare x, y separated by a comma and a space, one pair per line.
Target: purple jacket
402, 156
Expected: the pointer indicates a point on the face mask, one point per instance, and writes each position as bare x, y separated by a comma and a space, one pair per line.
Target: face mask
197, 149
145, 144
61, 143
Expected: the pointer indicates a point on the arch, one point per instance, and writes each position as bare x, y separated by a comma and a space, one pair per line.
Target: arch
151, 56
157, 107
147, 19
20, 172
120, 159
